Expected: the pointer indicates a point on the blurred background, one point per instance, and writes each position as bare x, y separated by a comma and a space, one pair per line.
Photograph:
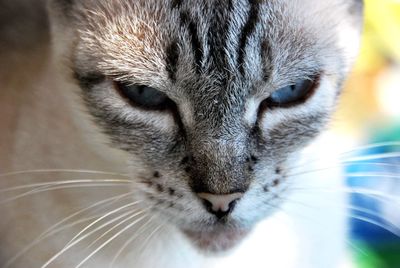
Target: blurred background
369, 114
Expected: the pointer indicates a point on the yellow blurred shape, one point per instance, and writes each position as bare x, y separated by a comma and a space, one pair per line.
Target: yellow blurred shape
381, 40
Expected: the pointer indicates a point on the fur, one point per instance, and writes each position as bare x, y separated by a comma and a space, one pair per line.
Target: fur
218, 61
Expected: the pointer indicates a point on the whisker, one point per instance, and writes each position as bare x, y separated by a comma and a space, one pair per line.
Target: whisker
364, 164
43, 237
282, 209
110, 230
381, 196
313, 220
80, 171
101, 218
54, 183
351, 159
109, 241
107, 201
357, 248
388, 155
395, 232
54, 229
128, 215
372, 146
367, 211
49, 188
75, 242
145, 243
372, 174
129, 241
387, 224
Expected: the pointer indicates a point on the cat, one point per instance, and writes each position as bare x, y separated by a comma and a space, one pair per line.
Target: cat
191, 128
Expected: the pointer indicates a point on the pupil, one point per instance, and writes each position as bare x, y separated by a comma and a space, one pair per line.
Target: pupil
141, 90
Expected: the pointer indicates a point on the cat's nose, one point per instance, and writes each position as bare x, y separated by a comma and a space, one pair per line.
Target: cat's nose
220, 205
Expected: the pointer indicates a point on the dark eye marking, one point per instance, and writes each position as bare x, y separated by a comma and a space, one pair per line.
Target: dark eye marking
144, 97
87, 81
291, 95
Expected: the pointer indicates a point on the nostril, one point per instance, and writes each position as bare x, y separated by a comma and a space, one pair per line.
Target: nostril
220, 205
207, 204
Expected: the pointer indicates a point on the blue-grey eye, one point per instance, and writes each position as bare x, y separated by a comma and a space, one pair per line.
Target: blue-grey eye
292, 95
144, 96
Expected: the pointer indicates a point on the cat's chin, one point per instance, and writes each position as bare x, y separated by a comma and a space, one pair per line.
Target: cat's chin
217, 241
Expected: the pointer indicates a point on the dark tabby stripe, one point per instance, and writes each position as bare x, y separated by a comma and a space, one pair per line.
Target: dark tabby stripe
218, 35
266, 59
176, 3
172, 58
247, 31
196, 45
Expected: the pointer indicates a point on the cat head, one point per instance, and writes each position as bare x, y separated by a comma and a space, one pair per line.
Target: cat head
212, 100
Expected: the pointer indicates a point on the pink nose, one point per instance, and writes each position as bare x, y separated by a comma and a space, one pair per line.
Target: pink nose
220, 204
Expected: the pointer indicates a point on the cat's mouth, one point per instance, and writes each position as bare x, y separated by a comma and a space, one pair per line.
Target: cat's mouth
218, 240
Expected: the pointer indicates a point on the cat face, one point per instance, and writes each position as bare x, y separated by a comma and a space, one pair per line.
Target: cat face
212, 100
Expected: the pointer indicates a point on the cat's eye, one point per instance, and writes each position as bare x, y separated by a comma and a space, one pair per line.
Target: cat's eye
293, 94
144, 96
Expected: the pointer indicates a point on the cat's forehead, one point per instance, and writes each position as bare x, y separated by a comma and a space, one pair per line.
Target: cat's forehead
155, 43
